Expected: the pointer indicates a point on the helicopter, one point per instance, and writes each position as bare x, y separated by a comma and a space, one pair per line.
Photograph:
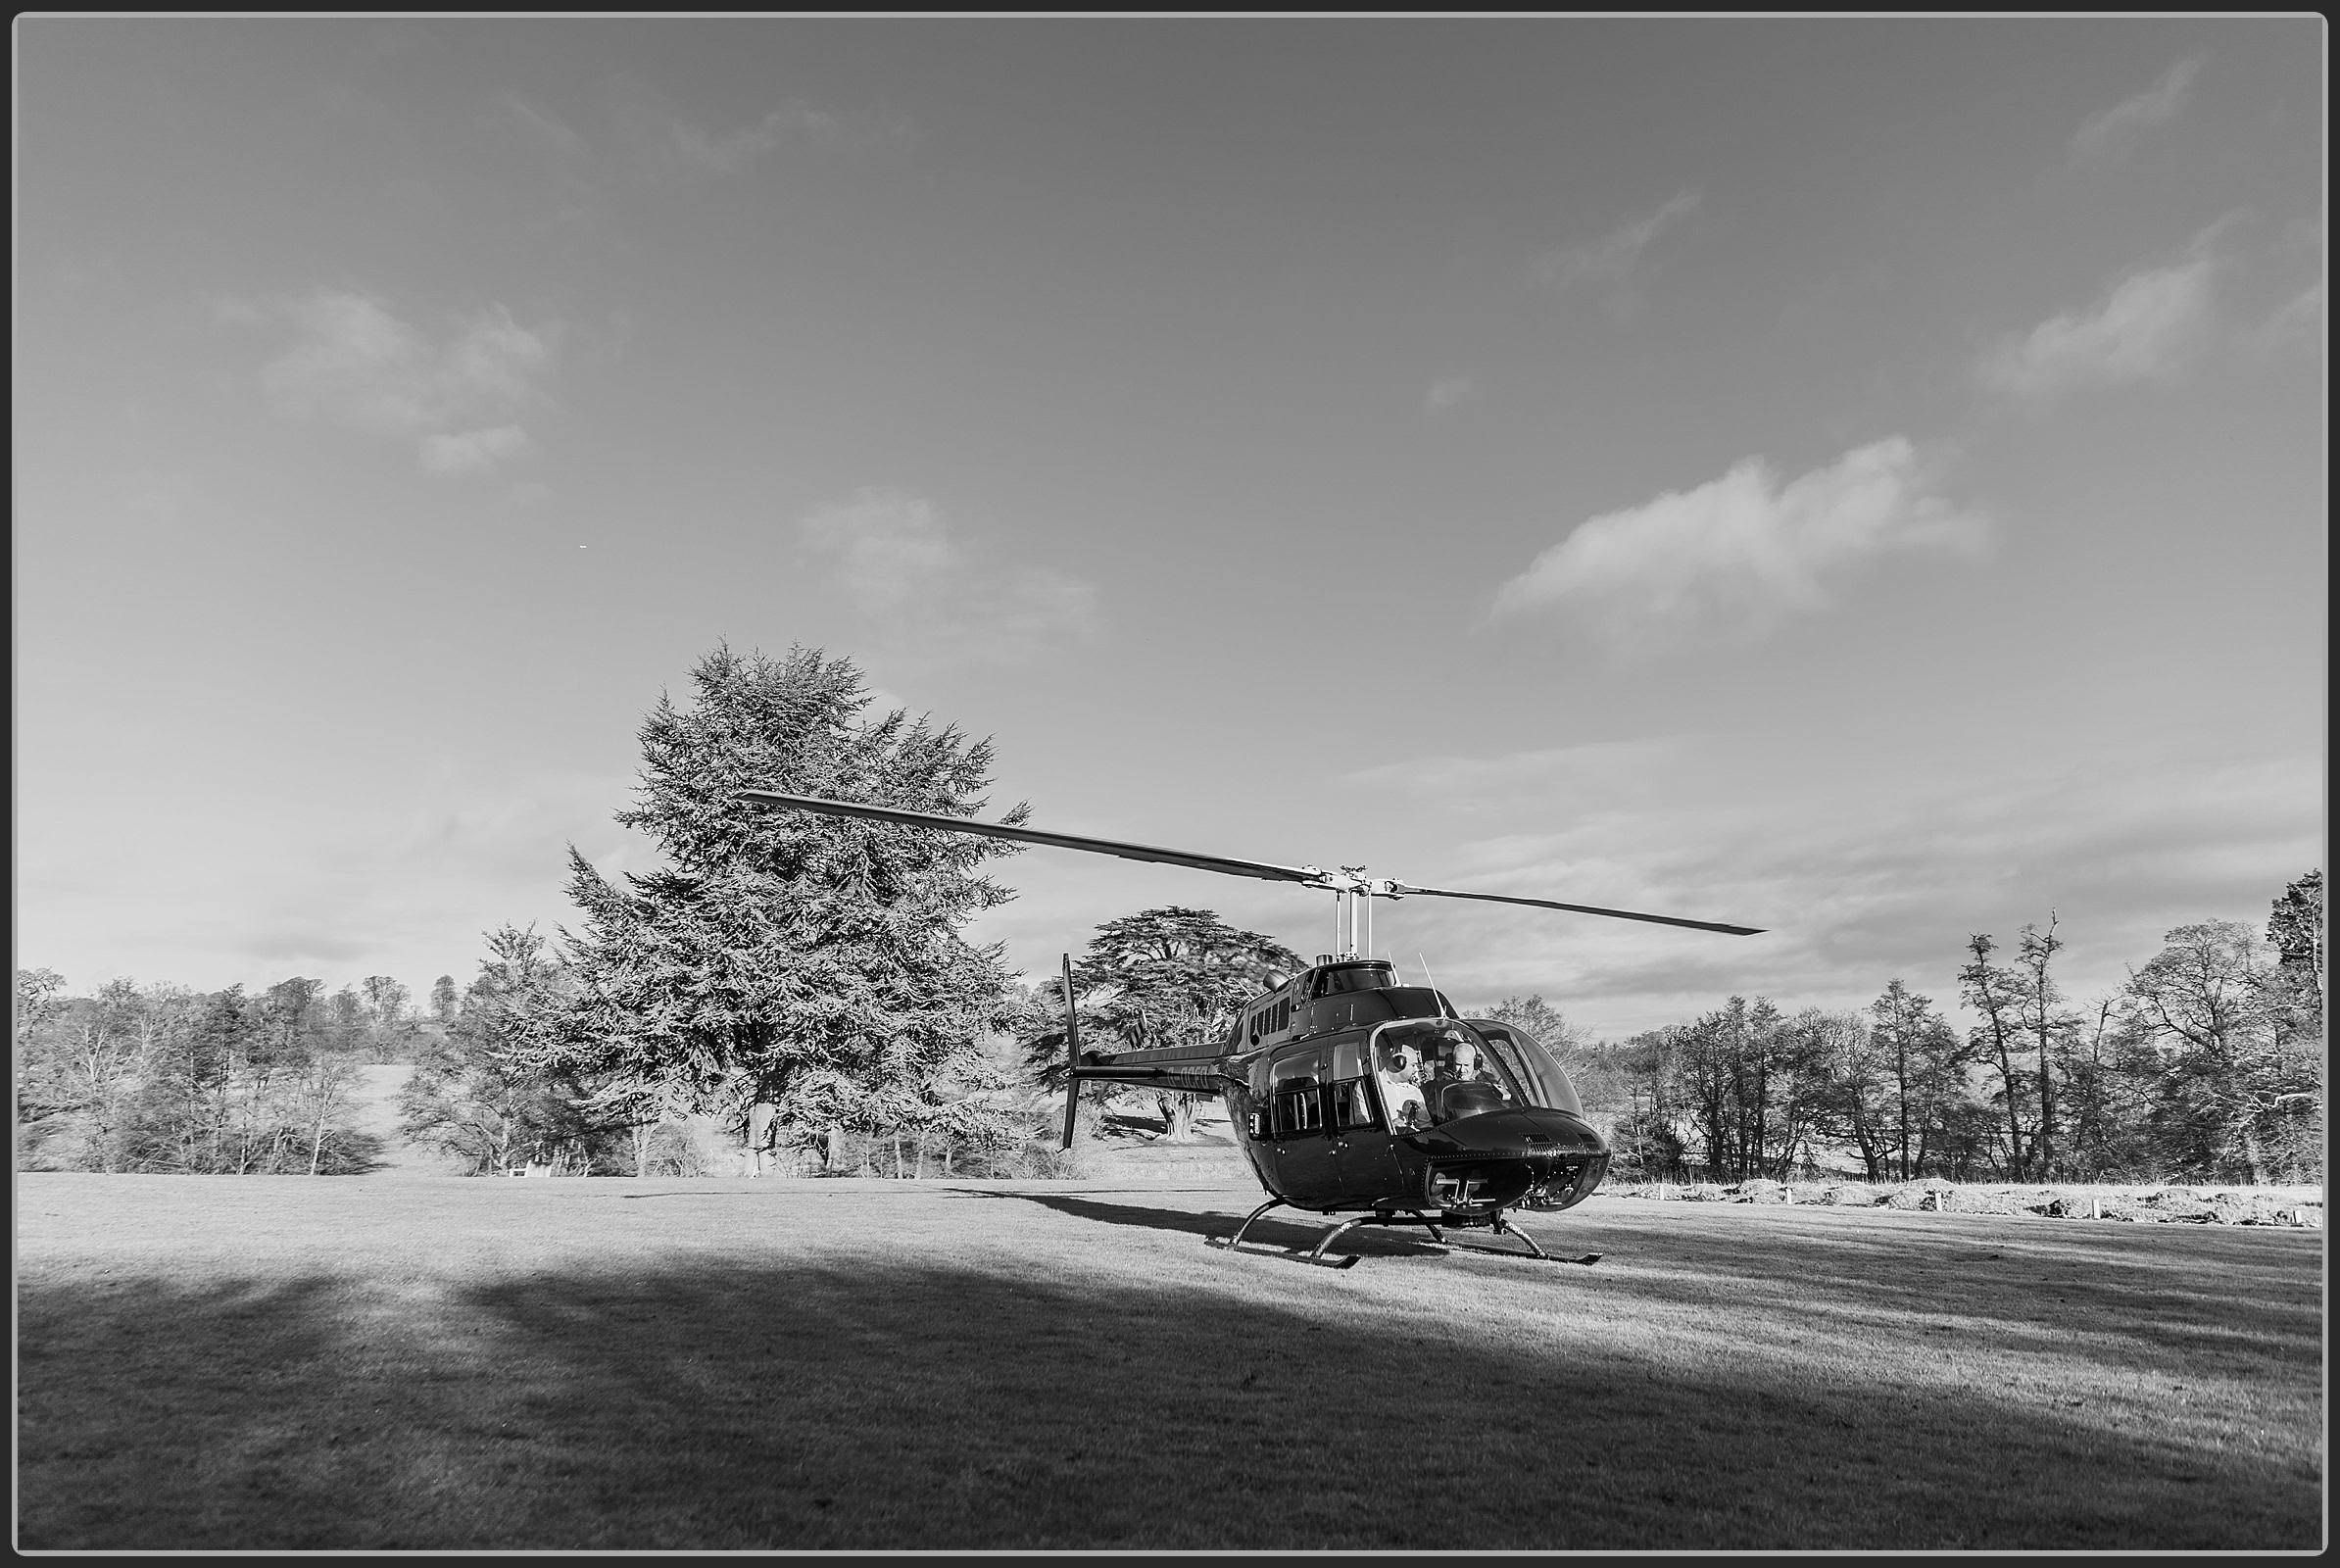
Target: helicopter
1350, 1093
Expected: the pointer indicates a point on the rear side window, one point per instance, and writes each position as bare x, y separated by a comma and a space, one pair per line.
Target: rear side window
1298, 1109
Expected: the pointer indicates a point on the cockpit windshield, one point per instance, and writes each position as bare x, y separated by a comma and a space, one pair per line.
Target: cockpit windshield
1532, 1065
1434, 1070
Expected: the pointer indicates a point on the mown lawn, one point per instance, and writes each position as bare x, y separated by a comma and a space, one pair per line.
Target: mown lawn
436, 1363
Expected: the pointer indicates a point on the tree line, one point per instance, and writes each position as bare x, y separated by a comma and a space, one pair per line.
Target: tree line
165, 1079
2207, 1065
803, 983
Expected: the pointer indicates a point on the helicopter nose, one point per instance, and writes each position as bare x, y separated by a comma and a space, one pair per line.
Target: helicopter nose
1498, 1156
1538, 1134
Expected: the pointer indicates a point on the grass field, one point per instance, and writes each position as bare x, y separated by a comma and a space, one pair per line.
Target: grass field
412, 1362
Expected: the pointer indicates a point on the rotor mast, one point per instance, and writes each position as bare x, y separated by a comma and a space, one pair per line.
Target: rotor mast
1354, 893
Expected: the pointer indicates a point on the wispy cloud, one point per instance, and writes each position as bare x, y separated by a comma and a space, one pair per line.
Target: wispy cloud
1447, 394
1741, 552
1858, 877
542, 126
894, 561
2112, 130
1614, 255
354, 361
474, 451
2233, 294
732, 152
399, 883
2148, 326
2300, 322
1603, 770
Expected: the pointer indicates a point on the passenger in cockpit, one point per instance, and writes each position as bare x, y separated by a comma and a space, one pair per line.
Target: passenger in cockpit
1401, 1078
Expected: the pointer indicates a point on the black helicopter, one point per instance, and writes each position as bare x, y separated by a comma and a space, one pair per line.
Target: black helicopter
1350, 1093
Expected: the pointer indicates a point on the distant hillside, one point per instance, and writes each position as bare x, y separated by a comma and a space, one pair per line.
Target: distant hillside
377, 1114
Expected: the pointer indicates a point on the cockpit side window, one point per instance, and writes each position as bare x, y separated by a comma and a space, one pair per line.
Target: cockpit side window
1545, 1082
1354, 1106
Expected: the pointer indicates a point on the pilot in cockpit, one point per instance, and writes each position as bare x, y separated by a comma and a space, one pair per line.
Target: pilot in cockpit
1452, 1058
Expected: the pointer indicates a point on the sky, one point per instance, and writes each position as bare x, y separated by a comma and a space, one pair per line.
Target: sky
1860, 478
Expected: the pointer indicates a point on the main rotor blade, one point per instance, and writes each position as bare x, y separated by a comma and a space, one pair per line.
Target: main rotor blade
1410, 891
1261, 869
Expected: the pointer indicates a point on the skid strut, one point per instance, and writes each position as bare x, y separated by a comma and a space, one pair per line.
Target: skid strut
1317, 1255
1502, 1225
1236, 1239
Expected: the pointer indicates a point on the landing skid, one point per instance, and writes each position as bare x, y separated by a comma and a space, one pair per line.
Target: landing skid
1494, 1222
1234, 1242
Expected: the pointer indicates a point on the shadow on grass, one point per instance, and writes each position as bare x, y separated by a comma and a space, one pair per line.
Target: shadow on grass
717, 1402
361, 1153
2219, 1299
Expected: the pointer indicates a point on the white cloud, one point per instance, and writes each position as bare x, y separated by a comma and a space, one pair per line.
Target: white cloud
474, 451
1611, 257
2234, 293
2113, 129
1743, 550
894, 561
355, 362
2147, 327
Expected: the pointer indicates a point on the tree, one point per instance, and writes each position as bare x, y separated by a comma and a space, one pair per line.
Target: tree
2228, 1087
1168, 976
1862, 1099
1594, 1070
389, 1029
481, 1093
1905, 1025
2108, 1100
1648, 1142
808, 963
1997, 993
39, 998
2049, 1026
78, 1063
1733, 1065
43, 1096
1539, 1018
2295, 929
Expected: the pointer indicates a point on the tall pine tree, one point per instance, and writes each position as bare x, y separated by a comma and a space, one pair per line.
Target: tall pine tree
808, 963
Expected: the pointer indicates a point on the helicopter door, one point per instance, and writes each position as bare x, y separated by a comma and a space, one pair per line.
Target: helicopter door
1303, 1147
1367, 1165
